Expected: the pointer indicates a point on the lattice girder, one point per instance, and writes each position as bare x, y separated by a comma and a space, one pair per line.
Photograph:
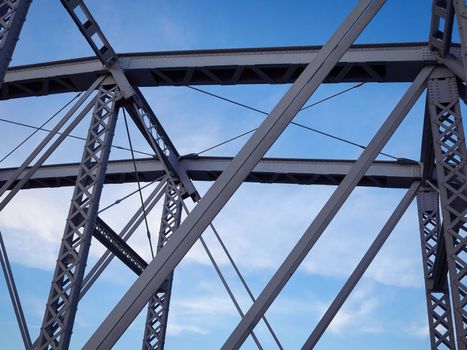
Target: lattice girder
438, 302
12, 16
451, 169
158, 306
63, 298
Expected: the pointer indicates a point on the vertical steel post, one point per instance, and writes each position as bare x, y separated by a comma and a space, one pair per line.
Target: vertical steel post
64, 294
460, 8
442, 17
158, 307
438, 301
451, 169
12, 16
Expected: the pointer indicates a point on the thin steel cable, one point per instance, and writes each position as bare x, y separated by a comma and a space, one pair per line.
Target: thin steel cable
15, 300
242, 280
131, 226
224, 282
263, 112
239, 274
226, 141
148, 232
118, 201
42, 125
293, 123
70, 136
226, 99
332, 96
229, 291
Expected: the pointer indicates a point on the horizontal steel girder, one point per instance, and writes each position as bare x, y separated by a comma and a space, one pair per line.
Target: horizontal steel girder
399, 62
387, 174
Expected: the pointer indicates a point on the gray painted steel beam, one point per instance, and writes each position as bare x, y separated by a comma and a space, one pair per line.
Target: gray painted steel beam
435, 245
451, 169
229, 181
12, 17
158, 307
164, 150
59, 315
146, 120
136, 105
90, 30
362, 266
455, 65
438, 299
461, 15
43, 144
125, 234
398, 62
115, 244
442, 18
386, 174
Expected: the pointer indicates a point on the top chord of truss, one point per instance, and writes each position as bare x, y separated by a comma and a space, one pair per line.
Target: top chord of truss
398, 62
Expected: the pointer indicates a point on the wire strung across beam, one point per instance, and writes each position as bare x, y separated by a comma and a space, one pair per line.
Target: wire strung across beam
118, 201
46, 147
240, 276
242, 280
40, 127
228, 289
216, 267
293, 123
148, 232
25, 125
132, 225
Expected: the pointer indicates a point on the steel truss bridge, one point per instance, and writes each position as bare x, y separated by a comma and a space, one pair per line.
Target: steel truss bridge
111, 82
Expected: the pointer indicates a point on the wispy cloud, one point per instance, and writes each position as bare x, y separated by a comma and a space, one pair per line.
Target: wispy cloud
258, 236
34, 219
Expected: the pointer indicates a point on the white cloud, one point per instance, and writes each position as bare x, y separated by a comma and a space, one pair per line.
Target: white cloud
418, 330
258, 235
261, 224
359, 314
208, 310
346, 240
32, 225
364, 312
176, 328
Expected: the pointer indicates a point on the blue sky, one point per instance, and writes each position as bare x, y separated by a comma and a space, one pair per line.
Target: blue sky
262, 222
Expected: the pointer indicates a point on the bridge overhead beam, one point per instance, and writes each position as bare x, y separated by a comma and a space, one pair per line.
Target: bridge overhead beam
399, 62
387, 174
